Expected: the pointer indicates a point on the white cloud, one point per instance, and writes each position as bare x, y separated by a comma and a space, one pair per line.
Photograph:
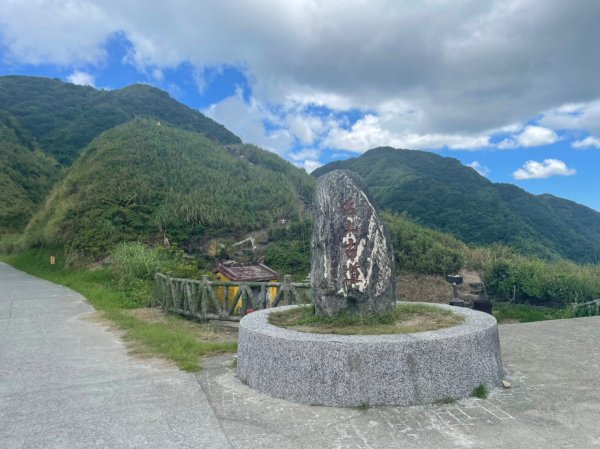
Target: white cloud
306, 153
311, 165
531, 136
481, 169
305, 128
546, 169
463, 66
81, 78
588, 142
574, 116
535, 136
158, 74
56, 32
373, 131
247, 120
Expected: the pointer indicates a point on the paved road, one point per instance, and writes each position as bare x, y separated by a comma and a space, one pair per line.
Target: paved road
67, 382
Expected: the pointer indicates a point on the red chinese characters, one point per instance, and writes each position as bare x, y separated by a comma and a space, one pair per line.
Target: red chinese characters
353, 275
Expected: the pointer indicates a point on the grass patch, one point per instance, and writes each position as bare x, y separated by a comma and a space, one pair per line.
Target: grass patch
179, 346
524, 313
170, 337
480, 392
406, 318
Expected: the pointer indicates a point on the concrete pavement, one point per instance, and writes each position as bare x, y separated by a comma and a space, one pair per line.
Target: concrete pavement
554, 402
67, 382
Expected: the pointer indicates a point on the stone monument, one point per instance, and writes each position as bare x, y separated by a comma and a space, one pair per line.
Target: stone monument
352, 271
352, 263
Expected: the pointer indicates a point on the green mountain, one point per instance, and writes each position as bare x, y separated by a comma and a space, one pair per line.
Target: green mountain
144, 180
442, 193
63, 118
26, 175
135, 163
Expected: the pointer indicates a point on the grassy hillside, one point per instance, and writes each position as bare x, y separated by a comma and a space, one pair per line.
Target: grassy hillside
303, 183
145, 180
25, 178
63, 118
442, 193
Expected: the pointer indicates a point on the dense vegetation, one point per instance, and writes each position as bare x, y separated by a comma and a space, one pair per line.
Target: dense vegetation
507, 275
422, 250
443, 194
63, 118
26, 176
289, 248
143, 180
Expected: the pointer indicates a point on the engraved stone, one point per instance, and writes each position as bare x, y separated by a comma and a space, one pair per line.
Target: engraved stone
352, 264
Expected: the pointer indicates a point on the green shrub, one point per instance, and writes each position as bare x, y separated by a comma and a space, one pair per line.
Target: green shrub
422, 250
525, 313
289, 249
289, 257
11, 243
529, 279
480, 392
132, 261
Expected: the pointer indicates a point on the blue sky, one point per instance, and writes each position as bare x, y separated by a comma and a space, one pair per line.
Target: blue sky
508, 87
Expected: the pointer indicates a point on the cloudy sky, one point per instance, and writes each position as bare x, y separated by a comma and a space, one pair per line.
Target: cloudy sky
509, 87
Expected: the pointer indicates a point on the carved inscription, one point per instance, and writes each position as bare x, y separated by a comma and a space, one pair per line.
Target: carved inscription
351, 266
353, 275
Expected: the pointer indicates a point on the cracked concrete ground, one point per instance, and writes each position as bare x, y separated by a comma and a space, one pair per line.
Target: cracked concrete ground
67, 382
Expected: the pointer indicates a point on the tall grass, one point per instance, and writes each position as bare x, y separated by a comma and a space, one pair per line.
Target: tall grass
133, 261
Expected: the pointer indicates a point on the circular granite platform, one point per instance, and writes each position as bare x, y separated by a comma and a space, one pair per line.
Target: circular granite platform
357, 370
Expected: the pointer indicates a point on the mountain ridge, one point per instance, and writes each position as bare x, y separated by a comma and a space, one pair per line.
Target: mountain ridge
64, 117
39, 126
442, 193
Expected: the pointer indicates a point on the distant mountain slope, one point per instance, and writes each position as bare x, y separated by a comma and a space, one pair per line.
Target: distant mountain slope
63, 118
26, 175
141, 180
444, 194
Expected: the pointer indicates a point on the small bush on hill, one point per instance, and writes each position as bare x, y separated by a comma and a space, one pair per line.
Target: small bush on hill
289, 249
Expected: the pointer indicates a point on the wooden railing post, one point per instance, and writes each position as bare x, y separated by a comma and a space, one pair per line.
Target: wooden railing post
156, 299
287, 281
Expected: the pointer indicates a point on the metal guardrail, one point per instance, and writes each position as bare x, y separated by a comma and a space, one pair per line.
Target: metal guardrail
216, 300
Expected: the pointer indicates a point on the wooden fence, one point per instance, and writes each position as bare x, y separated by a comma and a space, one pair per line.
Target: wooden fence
200, 299
591, 307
